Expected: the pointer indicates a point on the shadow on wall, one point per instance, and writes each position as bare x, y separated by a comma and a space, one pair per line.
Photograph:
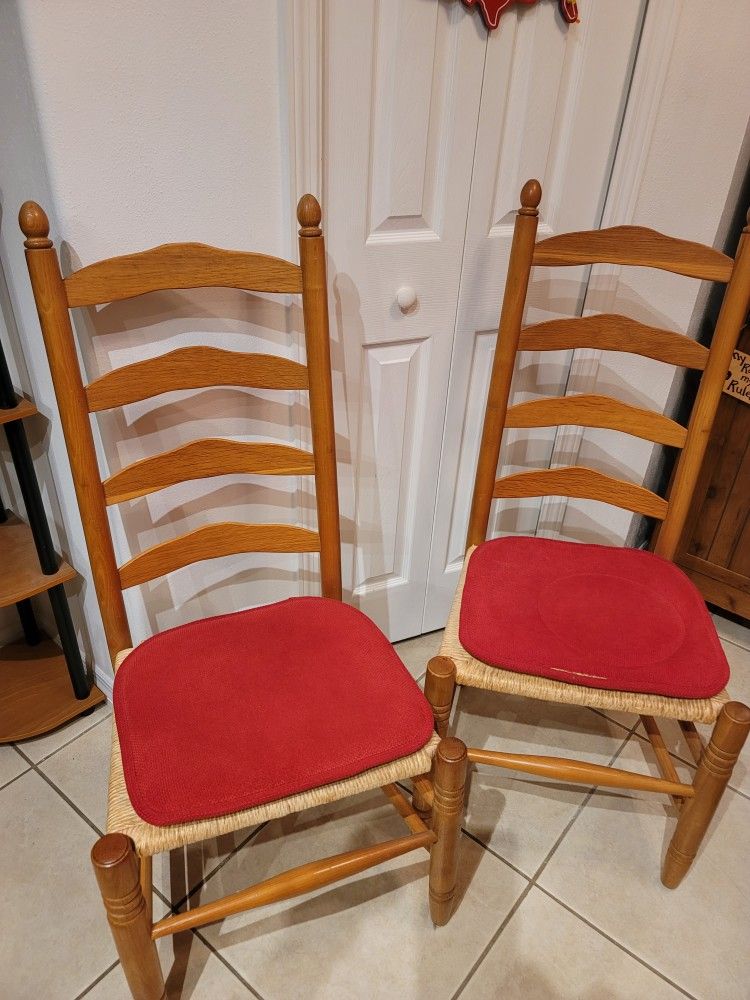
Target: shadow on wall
121, 333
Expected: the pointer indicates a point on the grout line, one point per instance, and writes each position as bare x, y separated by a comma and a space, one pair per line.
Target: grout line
71, 740
16, 776
227, 964
615, 942
493, 852
98, 979
202, 883
34, 767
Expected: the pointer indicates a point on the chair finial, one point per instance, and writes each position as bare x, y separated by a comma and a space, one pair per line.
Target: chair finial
309, 215
34, 225
531, 195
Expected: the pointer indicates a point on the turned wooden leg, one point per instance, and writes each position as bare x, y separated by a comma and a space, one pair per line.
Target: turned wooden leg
117, 871
449, 771
714, 771
439, 687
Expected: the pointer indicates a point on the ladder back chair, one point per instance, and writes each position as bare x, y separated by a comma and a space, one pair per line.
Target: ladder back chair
235, 719
596, 625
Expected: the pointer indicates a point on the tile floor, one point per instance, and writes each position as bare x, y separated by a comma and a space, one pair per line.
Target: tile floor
560, 887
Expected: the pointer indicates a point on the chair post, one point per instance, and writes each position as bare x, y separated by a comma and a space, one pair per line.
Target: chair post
439, 688
713, 774
509, 331
449, 770
118, 874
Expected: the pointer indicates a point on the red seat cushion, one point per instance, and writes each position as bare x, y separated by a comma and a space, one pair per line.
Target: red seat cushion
593, 615
237, 710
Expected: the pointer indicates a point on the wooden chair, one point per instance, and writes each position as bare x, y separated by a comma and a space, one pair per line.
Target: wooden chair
543, 618
237, 719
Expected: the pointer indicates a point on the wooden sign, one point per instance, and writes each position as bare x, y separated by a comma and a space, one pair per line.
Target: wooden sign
737, 382
492, 9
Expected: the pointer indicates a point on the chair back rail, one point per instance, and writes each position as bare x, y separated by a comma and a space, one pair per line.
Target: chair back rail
193, 368
179, 265
625, 245
203, 459
610, 332
212, 540
173, 266
634, 245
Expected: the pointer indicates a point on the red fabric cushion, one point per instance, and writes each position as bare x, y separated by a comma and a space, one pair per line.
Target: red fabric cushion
594, 615
237, 710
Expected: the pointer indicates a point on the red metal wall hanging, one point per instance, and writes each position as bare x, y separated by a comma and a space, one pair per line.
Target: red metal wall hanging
492, 9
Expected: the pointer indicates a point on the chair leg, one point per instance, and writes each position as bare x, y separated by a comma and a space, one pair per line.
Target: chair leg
447, 812
117, 871
439, 688
714, 771
440, 685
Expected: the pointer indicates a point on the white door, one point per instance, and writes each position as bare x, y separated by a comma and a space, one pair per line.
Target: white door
430, 128
544, 86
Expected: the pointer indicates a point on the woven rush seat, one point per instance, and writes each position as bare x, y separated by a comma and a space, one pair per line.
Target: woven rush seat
593, 625
240, 718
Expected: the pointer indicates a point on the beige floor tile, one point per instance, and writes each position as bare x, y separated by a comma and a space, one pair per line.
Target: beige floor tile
416, 652
607, 869
369, 937
732, 630
190, 970
42, 746
516, 815
11, 764
55, 939
81, 771
547, 953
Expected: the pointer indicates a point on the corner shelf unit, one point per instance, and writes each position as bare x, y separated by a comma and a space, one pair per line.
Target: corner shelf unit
42, 685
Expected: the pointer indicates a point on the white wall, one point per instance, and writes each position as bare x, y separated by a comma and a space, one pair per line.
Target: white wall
135, 124
698, 135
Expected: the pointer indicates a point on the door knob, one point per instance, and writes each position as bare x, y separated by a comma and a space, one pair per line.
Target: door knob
406, 297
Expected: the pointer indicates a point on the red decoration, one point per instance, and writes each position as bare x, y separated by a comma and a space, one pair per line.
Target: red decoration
492, 9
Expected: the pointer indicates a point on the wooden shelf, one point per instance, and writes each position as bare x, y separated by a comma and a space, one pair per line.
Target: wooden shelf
24, 409
35, 691
20, 575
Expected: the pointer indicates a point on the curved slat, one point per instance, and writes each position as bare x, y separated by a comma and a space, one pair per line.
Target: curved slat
213, 541
611, 332
587, 484
597, 411
202, 459
193, 368
179, 265
637, 246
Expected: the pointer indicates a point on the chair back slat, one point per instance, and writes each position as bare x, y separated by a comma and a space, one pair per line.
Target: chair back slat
193, 368
172, 267
611, 332
597, 411
179, 265
204, 459
212, 541
637, 246
624, 245
578, 481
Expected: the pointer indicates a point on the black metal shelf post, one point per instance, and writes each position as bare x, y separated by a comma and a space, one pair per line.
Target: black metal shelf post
48, 560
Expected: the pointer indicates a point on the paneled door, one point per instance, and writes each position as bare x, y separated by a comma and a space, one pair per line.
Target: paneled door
430, 128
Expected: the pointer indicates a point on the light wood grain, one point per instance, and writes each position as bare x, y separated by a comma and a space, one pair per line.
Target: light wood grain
509, 331
612, 332
449, 769
179, 265
661, 753
24, 409
294, 882
35, 691
580, 771
597, 411
54, 317
637, 246
212, 541
578, 481
405, 810
20, 573
202, 459
193, 368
